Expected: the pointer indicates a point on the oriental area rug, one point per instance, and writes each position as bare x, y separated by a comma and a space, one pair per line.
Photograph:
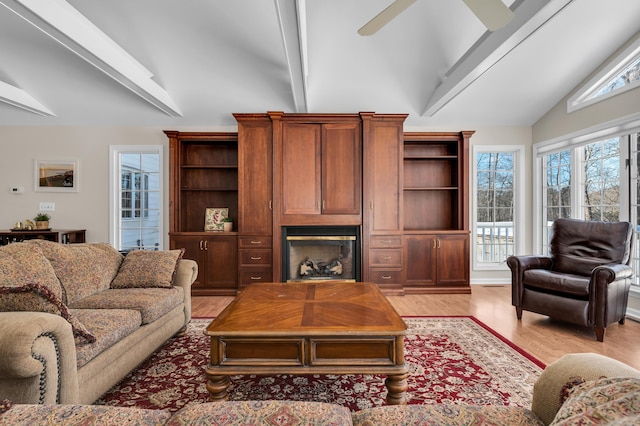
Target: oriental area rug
454, 360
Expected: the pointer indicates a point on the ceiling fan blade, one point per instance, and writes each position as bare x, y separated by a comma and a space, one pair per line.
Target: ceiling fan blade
492, 13
393, 10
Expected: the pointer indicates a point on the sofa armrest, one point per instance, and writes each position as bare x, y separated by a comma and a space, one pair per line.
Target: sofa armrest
547, 390
185, 276
37, 358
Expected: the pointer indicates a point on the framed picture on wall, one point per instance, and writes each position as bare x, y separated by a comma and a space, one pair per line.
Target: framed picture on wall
56, 175
214, 217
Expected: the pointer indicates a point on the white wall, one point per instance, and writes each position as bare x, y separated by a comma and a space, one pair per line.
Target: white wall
558, 123
87, 209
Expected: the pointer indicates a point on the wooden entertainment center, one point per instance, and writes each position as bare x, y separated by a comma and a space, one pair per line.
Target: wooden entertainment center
407, 193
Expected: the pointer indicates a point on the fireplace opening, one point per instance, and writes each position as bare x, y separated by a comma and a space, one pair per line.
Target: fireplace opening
320, 253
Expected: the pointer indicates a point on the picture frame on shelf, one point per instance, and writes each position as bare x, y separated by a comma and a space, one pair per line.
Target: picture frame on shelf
56, 175
214, 218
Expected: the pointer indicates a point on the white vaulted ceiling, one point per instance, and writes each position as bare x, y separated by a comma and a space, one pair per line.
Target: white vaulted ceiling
195, 62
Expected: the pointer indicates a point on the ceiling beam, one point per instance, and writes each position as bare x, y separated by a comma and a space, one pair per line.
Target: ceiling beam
292, 19
491, 48
19, 98
63, 23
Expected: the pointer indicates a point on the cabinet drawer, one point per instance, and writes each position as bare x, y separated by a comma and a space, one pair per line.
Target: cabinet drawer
250, 242
255, 257
386, 276
255, 275
384, 241
388, 257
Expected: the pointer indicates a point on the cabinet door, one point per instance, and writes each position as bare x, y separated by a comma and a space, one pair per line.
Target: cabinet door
193, 246
341, 168
453, 260
420, 260
383, 173
301, 185
255, 169
222, 264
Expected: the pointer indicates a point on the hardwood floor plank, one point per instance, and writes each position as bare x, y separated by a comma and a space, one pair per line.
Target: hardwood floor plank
542, 337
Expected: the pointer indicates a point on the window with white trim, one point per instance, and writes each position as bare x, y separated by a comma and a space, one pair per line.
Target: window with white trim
136, 197
497, 192
620, 75
593, 181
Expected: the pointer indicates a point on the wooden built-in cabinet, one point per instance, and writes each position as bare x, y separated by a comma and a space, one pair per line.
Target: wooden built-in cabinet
435, 208
204, 173
408, 193
255, 199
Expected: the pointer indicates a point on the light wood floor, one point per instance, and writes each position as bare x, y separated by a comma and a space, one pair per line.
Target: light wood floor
545, 339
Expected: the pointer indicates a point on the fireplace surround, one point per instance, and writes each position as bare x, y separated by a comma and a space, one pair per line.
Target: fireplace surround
320, 253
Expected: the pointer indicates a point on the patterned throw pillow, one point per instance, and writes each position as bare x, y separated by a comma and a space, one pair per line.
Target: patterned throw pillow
602, 401
83, 269
37, 298
146, 268
22, 263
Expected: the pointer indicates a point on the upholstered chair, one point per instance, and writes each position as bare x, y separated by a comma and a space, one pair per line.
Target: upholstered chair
585, 280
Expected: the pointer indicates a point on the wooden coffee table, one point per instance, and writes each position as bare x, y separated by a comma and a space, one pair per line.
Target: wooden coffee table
308, 328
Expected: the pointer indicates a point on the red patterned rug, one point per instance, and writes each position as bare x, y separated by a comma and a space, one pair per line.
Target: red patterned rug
451, 359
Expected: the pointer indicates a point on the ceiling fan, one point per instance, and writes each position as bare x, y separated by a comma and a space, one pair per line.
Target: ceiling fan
494, 14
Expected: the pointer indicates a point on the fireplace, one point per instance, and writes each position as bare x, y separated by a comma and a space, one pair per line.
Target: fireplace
320, 253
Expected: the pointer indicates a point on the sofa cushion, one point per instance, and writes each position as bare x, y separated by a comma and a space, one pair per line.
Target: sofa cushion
569, 284
37, 298
602, 401
290, 413
445, 414
152, 303
146, 268
22, 264
83, 269
42, 414
108, 326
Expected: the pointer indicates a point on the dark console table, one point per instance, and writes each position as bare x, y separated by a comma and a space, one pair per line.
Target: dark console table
65, 236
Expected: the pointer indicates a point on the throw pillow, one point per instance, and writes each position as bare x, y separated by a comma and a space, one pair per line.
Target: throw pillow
22, 263
602, 401
146, 268
83, 269
37, 298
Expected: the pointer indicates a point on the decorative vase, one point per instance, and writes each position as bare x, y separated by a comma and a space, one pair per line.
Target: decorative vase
42, 224
228, 226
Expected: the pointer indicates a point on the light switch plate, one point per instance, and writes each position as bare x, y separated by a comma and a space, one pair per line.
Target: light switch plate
47, 207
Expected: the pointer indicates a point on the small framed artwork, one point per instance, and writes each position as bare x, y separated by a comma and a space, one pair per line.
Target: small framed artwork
214, 217
56, 175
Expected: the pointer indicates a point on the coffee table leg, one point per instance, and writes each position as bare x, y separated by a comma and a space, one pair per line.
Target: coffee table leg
397, 389
217, 387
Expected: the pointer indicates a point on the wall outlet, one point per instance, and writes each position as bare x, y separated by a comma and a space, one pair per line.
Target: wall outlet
17, 190
47, 207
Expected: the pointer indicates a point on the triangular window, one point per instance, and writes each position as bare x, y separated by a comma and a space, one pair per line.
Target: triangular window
620, 75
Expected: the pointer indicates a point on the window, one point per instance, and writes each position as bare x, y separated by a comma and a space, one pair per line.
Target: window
496, 201
136, 197
621, 75
593, 181
600, 183
556, 190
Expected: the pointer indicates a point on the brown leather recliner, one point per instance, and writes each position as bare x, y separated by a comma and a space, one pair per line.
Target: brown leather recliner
586, 280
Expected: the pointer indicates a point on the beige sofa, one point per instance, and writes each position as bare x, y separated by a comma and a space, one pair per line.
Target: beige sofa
77, 318
574, 390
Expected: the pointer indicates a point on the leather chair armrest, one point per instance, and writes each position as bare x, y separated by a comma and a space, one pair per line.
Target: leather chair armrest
611, 273
522, 263
518, 265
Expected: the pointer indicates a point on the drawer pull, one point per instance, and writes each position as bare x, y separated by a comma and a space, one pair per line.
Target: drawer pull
256, 257
256, 278
385, 277
385, 257
256, 242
